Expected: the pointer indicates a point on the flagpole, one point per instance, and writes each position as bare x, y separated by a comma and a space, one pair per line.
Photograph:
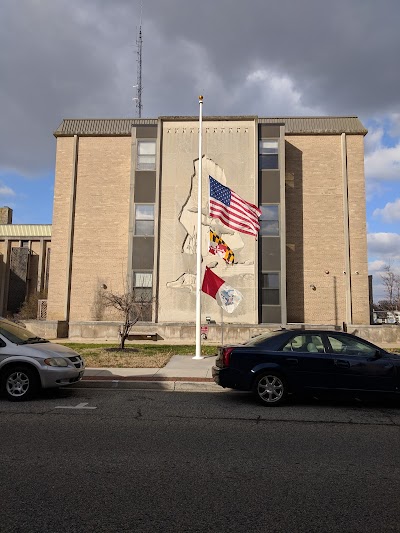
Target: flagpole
222, 325
199, 239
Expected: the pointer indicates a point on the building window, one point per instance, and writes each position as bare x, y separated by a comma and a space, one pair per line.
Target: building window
143, 294
146, 155
269, 220
270, 288
268, 154
24, 244
144, 219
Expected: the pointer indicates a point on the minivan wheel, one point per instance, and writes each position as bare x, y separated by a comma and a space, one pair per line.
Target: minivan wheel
19, 383
270, 389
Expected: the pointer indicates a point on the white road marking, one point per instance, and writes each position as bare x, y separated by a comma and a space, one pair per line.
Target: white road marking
79, 406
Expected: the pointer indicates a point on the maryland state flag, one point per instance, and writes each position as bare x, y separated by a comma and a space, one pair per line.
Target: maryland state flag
218, 247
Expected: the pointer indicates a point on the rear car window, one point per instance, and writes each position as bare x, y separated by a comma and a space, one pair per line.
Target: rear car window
305, 343
260, 339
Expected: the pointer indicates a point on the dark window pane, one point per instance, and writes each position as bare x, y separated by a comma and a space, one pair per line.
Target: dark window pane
269, 227
270, 296
269, 212
270, 280
268, 162
144, 227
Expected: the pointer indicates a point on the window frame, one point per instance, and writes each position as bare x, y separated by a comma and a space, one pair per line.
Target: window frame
262, 155
262, 288
138, 155
143, 219
271, 220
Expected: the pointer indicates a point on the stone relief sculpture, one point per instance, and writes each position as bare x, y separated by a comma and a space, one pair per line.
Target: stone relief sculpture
188, 218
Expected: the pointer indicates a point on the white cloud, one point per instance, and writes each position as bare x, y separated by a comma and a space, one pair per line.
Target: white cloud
276, 94
6, 191
373, 141
375, 266
389, 213
384, 246
383, 163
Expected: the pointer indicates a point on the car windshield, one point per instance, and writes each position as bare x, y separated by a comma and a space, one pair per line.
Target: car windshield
263, 337
17, 334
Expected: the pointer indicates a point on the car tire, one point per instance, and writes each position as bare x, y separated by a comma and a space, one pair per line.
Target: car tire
270, 389
19, 383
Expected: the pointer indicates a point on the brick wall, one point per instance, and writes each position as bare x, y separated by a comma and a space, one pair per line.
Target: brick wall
315, 230
101, 224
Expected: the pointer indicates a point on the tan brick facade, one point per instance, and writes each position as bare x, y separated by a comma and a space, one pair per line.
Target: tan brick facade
316, 275
100, 246
315, 230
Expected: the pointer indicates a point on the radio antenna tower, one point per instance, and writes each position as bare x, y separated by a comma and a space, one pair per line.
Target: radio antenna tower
139, 43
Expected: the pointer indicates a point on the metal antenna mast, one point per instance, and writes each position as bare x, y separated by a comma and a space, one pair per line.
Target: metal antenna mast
139, 43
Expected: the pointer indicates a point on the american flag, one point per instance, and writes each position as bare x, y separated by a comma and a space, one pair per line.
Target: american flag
232, 210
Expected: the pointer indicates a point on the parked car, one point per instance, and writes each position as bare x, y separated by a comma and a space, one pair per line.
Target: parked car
274, 364
28, 362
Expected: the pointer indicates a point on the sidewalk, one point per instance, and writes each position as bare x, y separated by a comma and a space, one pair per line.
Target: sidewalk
180, 373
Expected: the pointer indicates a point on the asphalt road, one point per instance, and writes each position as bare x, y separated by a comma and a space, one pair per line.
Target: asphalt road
153, 461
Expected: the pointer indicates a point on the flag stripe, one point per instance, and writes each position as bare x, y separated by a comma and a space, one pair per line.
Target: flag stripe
232, 217
240, 214
232, 210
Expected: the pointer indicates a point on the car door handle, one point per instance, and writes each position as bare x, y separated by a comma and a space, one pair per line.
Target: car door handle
341, 363
292, 360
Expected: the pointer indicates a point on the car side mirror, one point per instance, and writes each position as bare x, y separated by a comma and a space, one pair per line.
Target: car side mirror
377, 354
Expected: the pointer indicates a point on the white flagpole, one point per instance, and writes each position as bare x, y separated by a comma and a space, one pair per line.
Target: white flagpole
199, 239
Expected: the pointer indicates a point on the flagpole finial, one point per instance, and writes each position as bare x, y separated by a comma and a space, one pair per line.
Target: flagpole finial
200, 98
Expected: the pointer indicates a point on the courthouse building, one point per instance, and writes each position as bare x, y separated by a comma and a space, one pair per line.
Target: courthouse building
125, 215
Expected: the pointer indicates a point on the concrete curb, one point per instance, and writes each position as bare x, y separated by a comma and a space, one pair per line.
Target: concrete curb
170, 385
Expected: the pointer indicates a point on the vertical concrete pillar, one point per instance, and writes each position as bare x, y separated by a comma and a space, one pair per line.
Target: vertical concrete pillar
347, 270
5, 277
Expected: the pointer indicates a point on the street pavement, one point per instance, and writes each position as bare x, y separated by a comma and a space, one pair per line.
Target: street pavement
97, 460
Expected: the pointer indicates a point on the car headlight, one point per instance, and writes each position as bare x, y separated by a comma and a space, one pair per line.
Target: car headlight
55, 361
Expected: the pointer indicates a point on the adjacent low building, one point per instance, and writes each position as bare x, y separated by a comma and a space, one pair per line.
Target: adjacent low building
125, 212
24, 263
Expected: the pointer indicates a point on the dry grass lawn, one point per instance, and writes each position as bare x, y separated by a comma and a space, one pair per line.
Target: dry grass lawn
133, 356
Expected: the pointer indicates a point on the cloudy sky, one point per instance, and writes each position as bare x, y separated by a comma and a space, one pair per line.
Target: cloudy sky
77, 58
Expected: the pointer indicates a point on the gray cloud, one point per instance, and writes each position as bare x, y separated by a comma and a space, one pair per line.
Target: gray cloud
61, 58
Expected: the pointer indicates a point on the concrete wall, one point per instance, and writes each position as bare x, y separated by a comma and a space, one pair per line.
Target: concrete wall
185, 333
231, 159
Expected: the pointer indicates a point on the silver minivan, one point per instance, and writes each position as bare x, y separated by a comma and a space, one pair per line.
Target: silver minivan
28, 362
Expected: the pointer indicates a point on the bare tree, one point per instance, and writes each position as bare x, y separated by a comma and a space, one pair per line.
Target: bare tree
391, 282
133, 305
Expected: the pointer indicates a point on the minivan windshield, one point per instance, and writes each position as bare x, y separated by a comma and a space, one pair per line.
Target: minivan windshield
17, 334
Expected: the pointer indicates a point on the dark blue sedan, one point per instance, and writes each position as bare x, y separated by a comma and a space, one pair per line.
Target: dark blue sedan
300, 361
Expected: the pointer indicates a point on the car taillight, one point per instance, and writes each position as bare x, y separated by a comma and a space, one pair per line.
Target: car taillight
226, 356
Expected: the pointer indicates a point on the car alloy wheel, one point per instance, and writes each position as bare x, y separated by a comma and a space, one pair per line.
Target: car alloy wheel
270, 389
19, 383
